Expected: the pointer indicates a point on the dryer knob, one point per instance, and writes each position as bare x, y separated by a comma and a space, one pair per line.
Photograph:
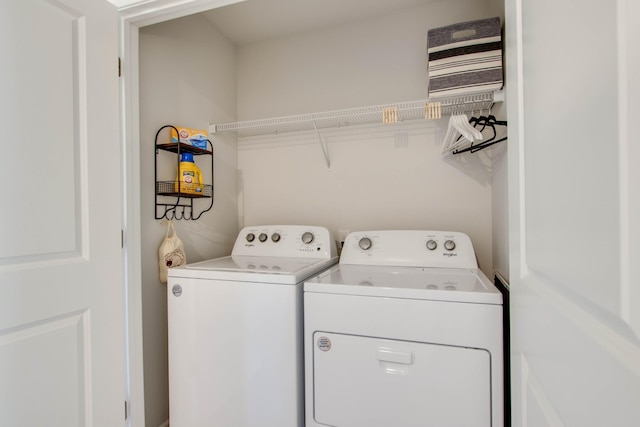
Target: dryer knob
449, 245
365, 243
251, 237
307, 238
432, 245
275, 237
262, 237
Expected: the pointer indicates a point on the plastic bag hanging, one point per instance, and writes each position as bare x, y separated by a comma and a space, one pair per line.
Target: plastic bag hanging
171, 253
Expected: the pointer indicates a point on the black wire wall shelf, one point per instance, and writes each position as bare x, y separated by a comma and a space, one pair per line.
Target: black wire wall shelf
173, 189
173, 199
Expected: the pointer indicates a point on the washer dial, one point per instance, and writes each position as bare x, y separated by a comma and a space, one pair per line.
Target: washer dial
432, 245
251, 237
365, 243
262, 237
449, 245
275, 237
307, 237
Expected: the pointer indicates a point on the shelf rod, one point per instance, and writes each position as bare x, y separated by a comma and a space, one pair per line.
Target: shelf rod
411, 110
323, 146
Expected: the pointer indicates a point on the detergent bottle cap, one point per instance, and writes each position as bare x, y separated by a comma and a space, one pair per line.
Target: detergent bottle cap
186, 157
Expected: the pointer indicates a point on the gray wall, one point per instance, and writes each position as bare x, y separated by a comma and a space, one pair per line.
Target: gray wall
187, 76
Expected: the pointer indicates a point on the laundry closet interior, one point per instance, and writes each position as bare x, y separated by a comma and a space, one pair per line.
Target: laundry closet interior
225, 66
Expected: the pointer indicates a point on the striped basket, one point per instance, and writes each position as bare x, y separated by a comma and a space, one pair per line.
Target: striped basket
465, 58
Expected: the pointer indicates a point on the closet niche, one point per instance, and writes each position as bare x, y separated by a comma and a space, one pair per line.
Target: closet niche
387, 176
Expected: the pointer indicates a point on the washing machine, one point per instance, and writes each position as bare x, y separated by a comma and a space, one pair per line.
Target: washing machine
405, 331
235, 329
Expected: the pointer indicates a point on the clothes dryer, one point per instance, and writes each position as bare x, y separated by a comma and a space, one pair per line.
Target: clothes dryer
235, 330
406, 332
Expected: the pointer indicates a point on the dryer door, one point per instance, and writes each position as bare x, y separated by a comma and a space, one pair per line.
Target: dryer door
372, 382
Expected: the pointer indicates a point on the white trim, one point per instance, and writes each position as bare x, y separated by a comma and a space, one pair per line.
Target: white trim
628, 90
632, 12
131, 223
515, 132
155, 11
520, 171
623, 155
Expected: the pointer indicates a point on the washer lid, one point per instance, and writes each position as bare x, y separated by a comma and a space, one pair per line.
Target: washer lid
438, 284
262, 269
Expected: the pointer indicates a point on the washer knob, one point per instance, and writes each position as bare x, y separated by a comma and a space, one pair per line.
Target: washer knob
275, 237
365, 243
432, 245
307, 237
262, 237
449, 245
251, 237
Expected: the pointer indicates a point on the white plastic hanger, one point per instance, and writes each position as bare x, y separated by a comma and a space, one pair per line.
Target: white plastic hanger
450, 136
456, 134
459, 133
477, 135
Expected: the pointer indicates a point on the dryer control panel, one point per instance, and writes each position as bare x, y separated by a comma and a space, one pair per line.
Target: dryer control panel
412, 248
300, 241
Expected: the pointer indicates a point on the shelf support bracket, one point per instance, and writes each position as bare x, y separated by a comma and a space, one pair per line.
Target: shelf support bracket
323, 145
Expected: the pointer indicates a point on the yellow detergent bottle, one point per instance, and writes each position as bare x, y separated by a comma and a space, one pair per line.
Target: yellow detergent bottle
189, 179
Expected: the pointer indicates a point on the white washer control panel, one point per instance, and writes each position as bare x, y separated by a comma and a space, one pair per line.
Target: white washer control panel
423, 248
285, 241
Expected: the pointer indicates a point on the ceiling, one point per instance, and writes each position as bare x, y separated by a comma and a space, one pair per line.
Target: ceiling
255, 20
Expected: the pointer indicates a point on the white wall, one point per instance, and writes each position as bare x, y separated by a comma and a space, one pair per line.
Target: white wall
362, 63
390, 178
187, 75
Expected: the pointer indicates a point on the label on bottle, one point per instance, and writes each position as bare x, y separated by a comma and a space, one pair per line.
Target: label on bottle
187, 176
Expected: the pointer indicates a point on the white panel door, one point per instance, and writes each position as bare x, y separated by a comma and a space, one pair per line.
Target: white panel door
61, 305
574, 211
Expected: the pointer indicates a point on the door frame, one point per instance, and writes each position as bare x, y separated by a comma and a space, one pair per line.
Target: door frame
132, 18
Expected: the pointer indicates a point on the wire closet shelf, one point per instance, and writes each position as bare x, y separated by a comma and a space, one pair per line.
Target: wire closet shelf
378, 114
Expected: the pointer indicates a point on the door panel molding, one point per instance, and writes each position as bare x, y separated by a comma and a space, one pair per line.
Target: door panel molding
58, 379
533, 391
623, 348
57, 177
